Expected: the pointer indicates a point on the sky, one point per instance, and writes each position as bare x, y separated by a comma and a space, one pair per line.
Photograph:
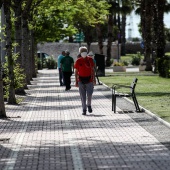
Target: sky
132, 25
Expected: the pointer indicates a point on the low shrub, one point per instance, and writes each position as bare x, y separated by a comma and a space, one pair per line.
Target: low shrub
136, 59
118, 64
125, 63
164, 66
51, 63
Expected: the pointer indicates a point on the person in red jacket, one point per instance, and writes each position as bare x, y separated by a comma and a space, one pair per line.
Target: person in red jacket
85, 79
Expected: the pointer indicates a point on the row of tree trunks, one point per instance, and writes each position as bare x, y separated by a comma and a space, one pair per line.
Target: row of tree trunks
24, 49
114, 21
152, 24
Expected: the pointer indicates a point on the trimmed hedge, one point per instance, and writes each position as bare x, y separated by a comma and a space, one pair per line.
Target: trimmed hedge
164, 66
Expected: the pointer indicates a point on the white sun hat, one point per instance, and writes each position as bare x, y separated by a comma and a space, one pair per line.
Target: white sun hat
83, 47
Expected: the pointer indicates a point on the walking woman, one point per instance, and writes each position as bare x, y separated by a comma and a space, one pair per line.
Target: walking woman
85, 79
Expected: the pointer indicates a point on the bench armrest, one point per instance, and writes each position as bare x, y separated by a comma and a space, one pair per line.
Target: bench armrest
120, 85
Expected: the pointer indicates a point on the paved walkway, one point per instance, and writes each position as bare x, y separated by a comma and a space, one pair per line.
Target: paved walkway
52, 133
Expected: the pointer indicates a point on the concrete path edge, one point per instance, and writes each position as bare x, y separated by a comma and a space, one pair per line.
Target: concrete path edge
146, 111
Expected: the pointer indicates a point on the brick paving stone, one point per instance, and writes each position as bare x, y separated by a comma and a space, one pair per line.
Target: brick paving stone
52, 133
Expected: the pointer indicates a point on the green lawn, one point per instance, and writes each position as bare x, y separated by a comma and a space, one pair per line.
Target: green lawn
153, 92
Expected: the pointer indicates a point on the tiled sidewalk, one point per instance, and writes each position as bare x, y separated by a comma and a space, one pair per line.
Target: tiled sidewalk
52, 133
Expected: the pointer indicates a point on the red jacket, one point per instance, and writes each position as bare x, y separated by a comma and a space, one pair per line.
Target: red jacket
84, 66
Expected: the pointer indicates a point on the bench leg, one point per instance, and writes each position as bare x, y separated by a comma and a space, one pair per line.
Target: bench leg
136, 103
114, 103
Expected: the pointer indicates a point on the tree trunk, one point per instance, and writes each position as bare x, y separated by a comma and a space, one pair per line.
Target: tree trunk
123, 36
3, 43
110, 39
26, 40
70, 40
118, 15
25, 46
154, 33
160, 27
160, 50
33, 64
142, 15
100, 38
88, 37
2, 105
147, 40
8, 30
30, 54
18, 39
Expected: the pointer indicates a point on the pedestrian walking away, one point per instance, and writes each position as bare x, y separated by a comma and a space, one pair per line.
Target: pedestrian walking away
85, 79
67, 66
61, 77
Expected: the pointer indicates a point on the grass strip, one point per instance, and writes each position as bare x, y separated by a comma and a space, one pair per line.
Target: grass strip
152, 91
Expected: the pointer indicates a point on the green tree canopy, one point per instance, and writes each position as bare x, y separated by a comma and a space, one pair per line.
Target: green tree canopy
55, 20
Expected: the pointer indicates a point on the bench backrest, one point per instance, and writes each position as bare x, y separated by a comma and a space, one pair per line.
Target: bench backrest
133, 85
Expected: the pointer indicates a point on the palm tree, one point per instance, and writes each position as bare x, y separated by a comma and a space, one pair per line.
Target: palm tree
145, 8
110, 37
160, 27
152, 28
160, 37
114, 19
147, 34
125, 10
113, 27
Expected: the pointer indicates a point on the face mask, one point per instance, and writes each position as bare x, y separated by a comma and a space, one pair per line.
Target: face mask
84, 54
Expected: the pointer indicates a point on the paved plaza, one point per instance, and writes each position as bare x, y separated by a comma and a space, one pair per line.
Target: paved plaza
47, 131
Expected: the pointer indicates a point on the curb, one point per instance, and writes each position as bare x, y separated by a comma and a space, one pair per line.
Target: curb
151, 114
146, 111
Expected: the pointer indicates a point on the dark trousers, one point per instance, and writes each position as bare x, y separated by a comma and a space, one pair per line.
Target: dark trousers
61, 77
67, 79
